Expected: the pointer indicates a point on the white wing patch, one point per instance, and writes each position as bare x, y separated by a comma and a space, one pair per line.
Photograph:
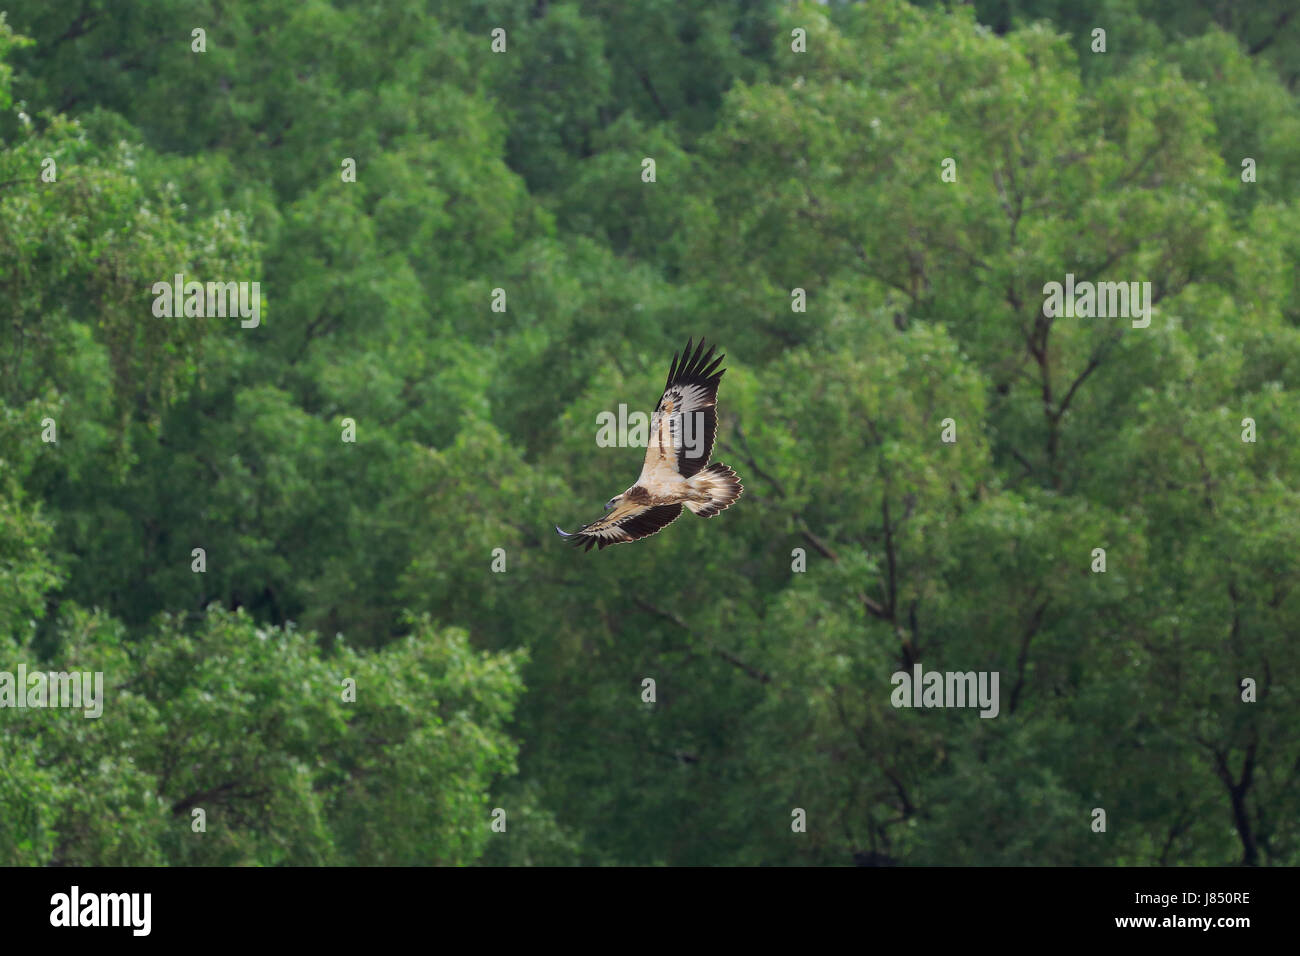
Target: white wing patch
684, 423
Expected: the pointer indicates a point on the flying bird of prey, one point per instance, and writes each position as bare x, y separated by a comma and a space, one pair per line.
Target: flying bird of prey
676, 470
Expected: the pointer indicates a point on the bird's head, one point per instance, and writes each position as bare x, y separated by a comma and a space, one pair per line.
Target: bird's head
609, 505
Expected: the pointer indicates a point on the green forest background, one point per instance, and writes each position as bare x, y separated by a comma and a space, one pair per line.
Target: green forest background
475, 430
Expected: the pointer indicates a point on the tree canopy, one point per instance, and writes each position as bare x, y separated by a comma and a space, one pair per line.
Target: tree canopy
356, 648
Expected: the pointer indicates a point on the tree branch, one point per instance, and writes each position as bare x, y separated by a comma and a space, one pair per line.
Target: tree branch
732, 659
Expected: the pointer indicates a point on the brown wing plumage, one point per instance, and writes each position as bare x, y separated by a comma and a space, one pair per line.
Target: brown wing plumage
685, 421
627, 522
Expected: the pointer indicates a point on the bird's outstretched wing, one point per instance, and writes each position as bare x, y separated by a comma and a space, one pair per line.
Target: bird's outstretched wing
684, 423
628, 521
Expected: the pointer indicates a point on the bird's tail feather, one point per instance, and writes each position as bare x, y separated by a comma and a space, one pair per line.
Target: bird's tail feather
721, 485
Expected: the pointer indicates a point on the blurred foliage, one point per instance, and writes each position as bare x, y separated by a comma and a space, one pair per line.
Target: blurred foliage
475, 430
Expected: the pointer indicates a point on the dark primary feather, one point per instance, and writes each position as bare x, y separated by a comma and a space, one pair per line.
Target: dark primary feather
700, 370
632, 528
695, 369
